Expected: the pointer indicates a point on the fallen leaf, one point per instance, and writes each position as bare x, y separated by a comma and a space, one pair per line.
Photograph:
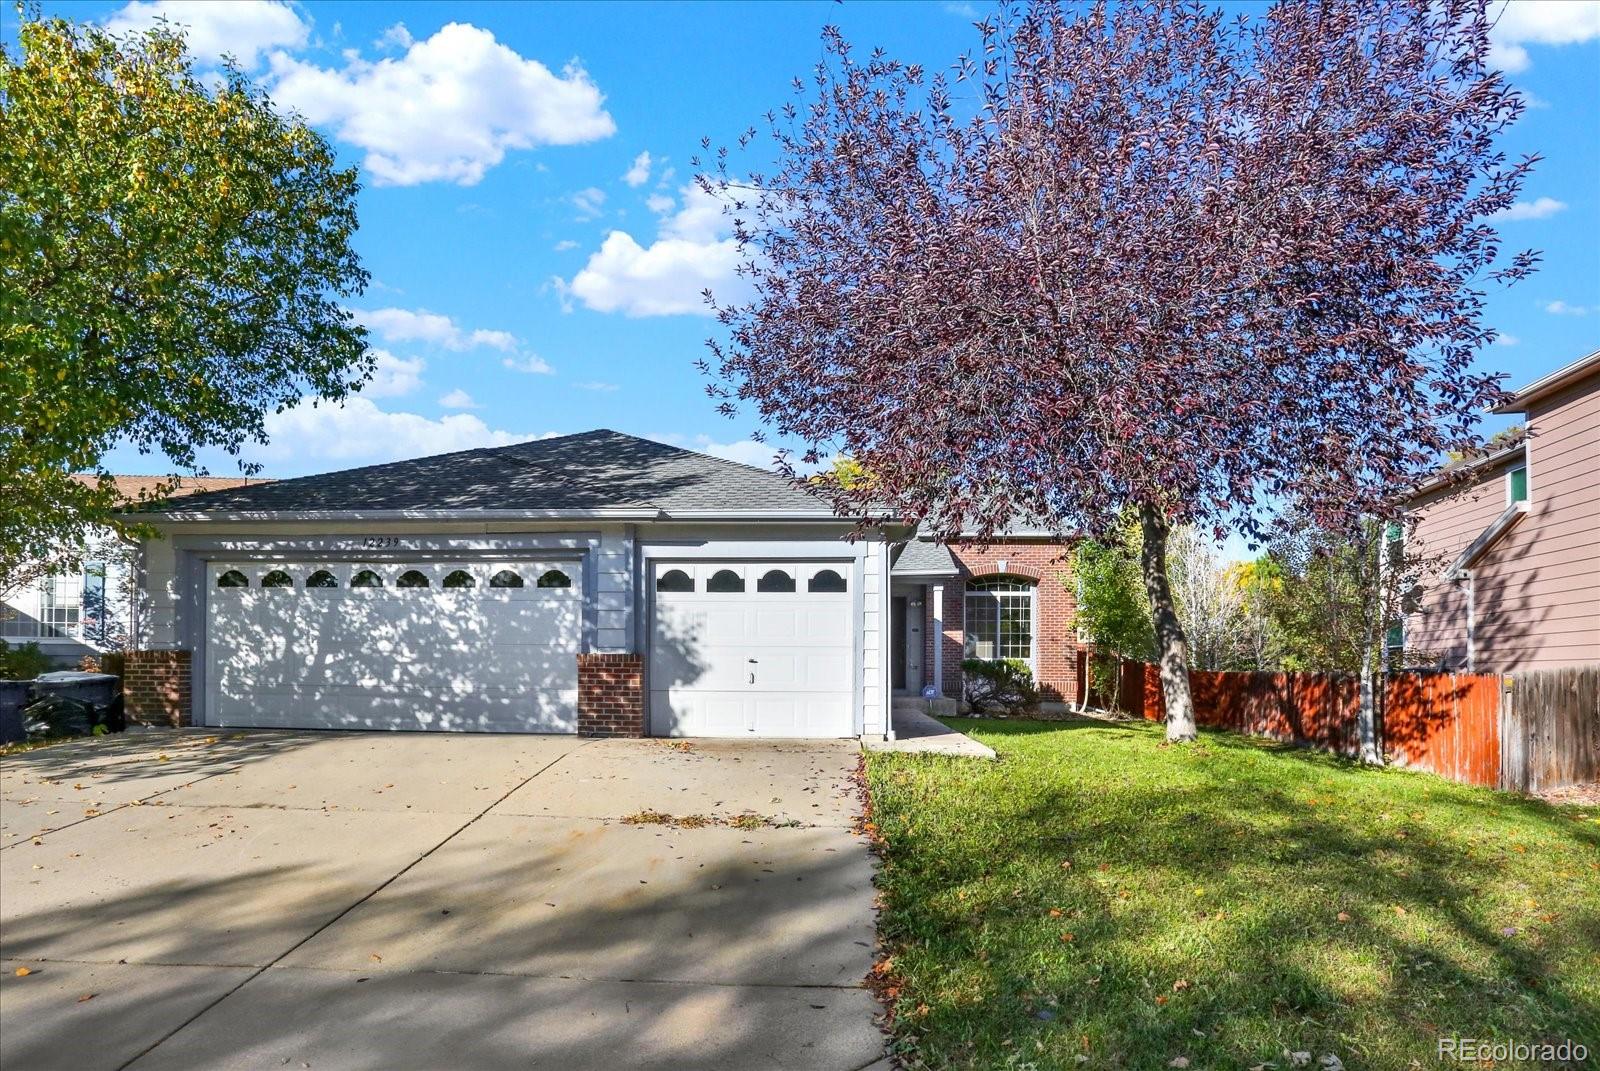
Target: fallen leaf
1344, 916
1178, 1061
23, 972
1162, 999
1055, 912
1067, 937
1180, 985
86, 996
377, 958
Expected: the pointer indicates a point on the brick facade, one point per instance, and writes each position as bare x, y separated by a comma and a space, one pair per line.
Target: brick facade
611, 695
156, 687
1056, 609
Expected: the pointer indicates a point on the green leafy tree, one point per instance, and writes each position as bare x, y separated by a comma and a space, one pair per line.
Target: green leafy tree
1113, 609
174, 257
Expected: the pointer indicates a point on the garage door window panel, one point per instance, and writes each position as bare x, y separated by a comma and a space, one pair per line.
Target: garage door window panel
366, 578
277, 578
676, 581
412, 578
554, 578
506, 578
775, 581
233, 578
459, 578
828, 581
724, 582
321, 579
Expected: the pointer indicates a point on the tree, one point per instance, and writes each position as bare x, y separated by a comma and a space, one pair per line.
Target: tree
1130, 256
173, 260
1210, 602
1112, 609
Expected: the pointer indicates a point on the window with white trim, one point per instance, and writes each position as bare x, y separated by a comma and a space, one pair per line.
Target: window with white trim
999, 619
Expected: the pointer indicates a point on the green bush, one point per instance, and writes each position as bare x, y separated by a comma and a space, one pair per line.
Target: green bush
1004, 685
23, 662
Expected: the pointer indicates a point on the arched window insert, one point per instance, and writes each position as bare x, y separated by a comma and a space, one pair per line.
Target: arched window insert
233, 578
724, 581
999, 618
674, 580
366, 578
827, 580
277, 579
322, 579
554, 578
775, 580
460, 578
505, 578
412, 578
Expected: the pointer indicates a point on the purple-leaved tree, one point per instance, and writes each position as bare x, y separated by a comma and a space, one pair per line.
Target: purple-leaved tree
1134, 256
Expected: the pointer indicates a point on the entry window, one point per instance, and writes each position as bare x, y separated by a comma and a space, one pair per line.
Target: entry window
412, 578
555, 578
277, 579
827, 580
366, 578
460, 578
725, 580
233, 578
674, 580
1517, 484
775, 580
506, 578
999, 619
322, 579
61, 605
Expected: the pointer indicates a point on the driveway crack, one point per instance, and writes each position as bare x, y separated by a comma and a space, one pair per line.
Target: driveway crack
391, 879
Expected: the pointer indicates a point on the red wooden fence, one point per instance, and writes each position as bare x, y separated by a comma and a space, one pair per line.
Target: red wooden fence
1446, 723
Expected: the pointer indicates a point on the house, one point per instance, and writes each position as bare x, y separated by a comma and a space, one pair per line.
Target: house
1509, 542
594, 583
90, 609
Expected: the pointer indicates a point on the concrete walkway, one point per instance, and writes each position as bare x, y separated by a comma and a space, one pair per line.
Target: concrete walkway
915, 731
333, 901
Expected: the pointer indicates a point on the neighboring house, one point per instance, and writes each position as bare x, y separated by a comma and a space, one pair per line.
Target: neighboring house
594, 583
1510, 542
91, 609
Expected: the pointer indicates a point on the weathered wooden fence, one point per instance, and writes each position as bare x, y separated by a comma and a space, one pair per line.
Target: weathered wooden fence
1528, 732
1550, 729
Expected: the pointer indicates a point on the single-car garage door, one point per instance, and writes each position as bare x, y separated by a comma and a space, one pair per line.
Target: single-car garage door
751, 649
464, 646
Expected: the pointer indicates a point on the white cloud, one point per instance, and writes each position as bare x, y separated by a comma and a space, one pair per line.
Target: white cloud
1518, 23
396, 36
393, 376
1536, 209
459, 399
1503, 339
242, 28
639, 173
965, 11
565, 244
745, 451
531, 363
420, 325
359, 430
1561, 308
448, 110
595, 384
659, 203
588, 202
689, 256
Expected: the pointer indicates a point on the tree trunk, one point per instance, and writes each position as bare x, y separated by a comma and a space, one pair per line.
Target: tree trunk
1171, 649
1367, 714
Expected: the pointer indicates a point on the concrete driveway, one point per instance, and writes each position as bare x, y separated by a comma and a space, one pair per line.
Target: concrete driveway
274, 899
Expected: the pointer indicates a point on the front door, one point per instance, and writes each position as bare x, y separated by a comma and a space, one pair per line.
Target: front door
897, 642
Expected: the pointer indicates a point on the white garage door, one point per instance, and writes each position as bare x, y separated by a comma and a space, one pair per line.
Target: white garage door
463, 646
751, 649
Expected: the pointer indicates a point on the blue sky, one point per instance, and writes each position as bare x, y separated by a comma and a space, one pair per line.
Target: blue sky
536, 258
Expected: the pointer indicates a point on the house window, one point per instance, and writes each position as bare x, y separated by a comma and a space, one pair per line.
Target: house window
554, 578
1517, 484
826, 580
775, 580
999, 619
725, 580
61, 606
674, 580
96, 612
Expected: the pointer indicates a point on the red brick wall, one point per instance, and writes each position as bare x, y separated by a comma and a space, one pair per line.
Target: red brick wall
1055, 624
610, 695
155, 687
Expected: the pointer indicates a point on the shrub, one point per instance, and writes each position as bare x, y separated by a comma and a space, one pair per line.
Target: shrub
23, 662
1005, 685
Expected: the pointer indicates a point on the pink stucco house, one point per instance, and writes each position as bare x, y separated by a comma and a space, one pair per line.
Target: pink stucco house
1510, 541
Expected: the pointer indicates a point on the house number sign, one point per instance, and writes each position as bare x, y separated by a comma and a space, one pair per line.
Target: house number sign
380, 542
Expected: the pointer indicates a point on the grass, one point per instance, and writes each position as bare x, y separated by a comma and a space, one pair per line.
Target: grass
1096, 899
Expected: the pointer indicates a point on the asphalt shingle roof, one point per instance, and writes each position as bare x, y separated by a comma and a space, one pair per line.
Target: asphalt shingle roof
589, 471
923, 557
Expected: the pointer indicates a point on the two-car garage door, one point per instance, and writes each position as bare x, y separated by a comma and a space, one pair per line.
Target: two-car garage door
465, 646
751, 649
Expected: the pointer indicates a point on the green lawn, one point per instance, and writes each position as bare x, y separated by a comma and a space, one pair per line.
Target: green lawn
1098, 894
